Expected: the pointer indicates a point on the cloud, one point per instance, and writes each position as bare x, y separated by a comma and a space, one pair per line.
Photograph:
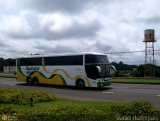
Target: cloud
70, 6
3, 43
49, 26
77, 30
53, 27
49, 6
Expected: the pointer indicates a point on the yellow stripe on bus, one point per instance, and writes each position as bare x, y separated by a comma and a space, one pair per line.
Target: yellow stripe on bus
73, 78
57, 80
20, 75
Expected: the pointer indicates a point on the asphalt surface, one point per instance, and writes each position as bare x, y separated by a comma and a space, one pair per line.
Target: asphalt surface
115, 93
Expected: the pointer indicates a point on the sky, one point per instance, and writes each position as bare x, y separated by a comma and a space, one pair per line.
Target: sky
71, 26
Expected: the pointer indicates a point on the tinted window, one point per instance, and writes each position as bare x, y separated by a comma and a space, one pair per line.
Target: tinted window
92, 71
64, 60
89, 59
31, 61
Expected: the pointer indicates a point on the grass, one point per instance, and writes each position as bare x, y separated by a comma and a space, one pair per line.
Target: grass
137, 80
6, 75
60, 110
69, 110
22, 97
61, 104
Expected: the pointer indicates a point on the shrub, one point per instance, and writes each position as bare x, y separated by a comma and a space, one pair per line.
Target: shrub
65, 113
141, 108
14, 96
137, 109
6, 109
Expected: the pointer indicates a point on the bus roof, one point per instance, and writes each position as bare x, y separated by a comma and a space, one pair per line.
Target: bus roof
63, 54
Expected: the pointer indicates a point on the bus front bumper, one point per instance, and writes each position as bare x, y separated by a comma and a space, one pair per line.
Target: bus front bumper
103, 84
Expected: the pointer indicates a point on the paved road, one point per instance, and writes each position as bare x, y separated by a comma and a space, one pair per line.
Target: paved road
116, 92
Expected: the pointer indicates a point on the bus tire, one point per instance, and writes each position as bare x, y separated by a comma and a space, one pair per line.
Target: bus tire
28, 80
80, 83
35, 81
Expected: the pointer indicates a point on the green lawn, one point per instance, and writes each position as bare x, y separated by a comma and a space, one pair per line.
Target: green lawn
60, 110
62, 104
137, 80
45, 107
69, 110
7, 75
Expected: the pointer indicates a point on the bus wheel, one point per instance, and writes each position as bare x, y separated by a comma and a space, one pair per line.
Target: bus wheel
35, 81
80, 83
28, 80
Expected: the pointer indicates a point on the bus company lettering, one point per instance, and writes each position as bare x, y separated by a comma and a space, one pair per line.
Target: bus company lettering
31, 69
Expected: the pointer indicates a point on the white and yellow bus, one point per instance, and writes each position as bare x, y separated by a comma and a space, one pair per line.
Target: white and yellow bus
80, 70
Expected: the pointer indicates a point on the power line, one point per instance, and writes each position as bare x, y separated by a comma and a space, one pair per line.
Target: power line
129, 52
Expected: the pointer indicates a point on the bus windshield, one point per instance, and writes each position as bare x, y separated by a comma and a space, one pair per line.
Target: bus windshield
97, 66
96, 59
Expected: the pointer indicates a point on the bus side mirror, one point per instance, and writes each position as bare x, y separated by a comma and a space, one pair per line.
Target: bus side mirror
99, 69
113, 70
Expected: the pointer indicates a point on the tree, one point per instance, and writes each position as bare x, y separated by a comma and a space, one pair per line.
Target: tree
147, 70
139, 71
